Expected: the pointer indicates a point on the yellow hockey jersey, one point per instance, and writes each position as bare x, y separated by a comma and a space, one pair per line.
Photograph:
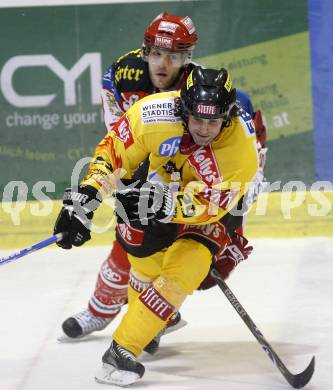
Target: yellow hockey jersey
211, 178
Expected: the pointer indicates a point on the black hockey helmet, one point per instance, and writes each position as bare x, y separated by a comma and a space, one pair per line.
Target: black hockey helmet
208, 93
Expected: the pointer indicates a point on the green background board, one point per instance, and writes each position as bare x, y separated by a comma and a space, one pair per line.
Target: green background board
231, 34
276, 74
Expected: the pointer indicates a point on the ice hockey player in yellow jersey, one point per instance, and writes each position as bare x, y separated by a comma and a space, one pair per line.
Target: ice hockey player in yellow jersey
180, 217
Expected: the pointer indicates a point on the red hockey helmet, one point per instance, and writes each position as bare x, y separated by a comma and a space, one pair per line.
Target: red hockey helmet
171, 32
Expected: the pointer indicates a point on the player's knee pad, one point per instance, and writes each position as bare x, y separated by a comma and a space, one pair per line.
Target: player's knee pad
158, 299
138, 282
170, 291
162, 293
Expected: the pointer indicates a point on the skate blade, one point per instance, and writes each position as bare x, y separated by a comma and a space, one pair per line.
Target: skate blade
175, 327
109, 375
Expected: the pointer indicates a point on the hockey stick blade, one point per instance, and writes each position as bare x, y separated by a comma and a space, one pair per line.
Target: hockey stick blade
33, 248
303, 378
297, 381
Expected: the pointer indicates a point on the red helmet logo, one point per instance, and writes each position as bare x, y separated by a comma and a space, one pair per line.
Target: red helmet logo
171, 32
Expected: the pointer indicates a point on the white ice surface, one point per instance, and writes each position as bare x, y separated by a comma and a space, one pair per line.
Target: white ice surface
286, 287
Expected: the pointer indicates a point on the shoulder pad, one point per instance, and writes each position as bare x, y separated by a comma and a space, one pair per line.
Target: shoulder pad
244, 102
129, 55
130, 73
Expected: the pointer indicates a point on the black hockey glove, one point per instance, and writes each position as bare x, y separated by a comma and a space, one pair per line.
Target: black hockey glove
75, 216
150, 202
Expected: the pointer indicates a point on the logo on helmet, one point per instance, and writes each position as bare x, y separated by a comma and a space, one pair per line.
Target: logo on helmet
228, 83
163, 42
206, 109
189, 81
189, 25
167, 27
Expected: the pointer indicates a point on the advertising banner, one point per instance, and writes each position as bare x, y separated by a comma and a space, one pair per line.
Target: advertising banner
52, 60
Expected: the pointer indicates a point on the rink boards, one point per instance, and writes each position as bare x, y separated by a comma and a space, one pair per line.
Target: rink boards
276, 215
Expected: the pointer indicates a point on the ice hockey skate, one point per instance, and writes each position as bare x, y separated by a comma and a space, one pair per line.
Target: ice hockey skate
120, 367
82, 324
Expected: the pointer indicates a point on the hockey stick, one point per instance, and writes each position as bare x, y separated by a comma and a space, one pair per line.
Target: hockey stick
297, 381
35, 247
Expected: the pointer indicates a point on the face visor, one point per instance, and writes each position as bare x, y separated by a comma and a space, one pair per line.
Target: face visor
159, 57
